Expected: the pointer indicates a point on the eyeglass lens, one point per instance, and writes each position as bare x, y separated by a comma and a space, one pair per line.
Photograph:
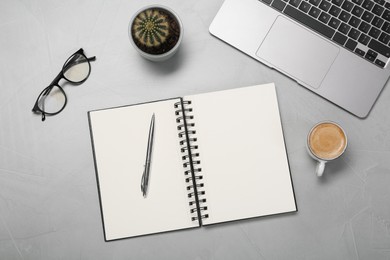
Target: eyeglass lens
52, 100
77, 68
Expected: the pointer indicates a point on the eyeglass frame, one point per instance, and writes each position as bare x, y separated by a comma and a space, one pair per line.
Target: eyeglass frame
55, 83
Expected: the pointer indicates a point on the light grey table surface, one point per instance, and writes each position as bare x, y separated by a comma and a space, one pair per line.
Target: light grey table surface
49, 206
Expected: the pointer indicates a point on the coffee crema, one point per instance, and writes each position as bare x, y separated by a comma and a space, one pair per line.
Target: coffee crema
327, 141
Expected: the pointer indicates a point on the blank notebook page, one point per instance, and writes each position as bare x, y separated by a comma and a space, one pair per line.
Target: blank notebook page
243, 156
120, 137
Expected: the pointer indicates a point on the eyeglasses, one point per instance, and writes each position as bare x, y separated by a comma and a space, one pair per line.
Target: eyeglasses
52, 99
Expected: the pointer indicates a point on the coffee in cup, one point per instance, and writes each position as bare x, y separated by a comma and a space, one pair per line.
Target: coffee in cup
326, 141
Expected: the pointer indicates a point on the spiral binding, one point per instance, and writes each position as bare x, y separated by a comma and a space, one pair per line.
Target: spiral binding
191, 161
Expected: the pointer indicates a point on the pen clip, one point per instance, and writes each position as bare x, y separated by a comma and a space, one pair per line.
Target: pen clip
145, 179
143, 184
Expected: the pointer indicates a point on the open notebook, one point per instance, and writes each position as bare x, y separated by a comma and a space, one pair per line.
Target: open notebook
216, 157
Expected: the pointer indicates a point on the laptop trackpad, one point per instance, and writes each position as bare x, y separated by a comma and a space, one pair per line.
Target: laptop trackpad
297, 52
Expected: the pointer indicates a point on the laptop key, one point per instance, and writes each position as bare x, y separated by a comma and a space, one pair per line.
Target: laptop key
314, 12
324, 17
295, 2
360, 52
374, 32
386, 15
378, 10
380, 63
358, 11
386, 27
347, 6
325, 5
354, 34
334, 23
278, 4
351, 44
371, 55
384, 38
344, 28
344, 16
309, 21
367, 16
340, 38
364, 39
387, 5
368, 5
305, 7
379, 47
354, 22
335, 11
364, 27
377, 22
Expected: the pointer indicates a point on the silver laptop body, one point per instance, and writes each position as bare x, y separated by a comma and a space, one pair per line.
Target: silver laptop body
338, 74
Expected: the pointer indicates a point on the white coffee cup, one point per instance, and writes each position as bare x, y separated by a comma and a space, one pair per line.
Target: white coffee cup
159, 29
326, 142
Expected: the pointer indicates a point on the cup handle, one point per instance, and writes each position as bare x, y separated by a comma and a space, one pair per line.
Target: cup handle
320, 168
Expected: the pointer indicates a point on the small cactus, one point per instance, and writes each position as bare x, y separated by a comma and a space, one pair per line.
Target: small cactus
151, 27
155, 31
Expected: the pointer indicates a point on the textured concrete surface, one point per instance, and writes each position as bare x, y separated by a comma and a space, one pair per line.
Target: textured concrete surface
49, 207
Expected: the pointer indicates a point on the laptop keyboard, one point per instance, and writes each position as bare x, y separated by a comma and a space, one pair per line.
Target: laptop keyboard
361, 26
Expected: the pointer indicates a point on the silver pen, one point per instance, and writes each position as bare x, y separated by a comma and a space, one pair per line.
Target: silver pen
145, 175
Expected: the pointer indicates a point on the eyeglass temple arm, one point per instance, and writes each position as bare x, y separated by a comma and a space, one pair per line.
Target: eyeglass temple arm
81, 51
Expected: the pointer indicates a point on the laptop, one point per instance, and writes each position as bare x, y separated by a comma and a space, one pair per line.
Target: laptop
338, 49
